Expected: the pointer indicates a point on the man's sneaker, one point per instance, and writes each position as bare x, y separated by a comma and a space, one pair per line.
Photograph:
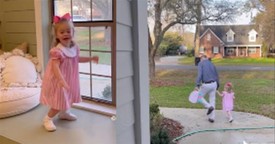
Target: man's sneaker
48, 124
211, 120
67, 116
210, 110
231, 120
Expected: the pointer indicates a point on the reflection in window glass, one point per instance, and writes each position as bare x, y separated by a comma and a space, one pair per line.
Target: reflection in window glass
61, 7
102, 10
101, 38
81, 37
104, 65
84, 67
81, 10
85, 85
102, 88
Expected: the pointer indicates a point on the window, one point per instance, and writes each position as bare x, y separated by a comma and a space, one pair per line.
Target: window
215, 50
230, 36
251, 50
252, 38
208, 37
252, 35
95, 34
230, 51
201, 50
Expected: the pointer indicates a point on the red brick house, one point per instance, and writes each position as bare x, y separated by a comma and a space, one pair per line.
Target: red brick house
230, 41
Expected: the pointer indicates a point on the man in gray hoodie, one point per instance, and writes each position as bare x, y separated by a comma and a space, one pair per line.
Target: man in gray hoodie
207, 83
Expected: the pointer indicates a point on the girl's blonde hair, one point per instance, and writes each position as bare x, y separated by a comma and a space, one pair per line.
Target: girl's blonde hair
229, 86
55, 26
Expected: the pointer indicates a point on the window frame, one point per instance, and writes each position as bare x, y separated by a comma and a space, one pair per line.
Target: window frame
215, 49
230, 38
105, 23
252, 50
252, 38
201, 50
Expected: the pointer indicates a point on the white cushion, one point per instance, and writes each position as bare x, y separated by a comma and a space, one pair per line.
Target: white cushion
19, 70
15, 101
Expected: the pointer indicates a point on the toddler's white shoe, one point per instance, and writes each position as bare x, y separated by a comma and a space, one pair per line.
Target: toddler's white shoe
67, 116
230, 119
48, 124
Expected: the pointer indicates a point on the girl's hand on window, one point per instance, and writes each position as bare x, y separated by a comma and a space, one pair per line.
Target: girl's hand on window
95, 59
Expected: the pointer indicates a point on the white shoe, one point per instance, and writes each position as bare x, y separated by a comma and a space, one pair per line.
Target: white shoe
48, 124
67, 116
230, 119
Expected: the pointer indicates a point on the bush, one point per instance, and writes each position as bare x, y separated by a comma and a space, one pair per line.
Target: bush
158, 134
170, 44
190, 53
107, 92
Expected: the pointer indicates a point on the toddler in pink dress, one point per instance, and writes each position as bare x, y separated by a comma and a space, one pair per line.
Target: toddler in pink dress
228, 100
60, 86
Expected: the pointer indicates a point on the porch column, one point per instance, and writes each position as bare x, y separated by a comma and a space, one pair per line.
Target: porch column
141, 69
237, 52
246, 53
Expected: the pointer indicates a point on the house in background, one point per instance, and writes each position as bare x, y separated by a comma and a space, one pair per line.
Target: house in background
230, 41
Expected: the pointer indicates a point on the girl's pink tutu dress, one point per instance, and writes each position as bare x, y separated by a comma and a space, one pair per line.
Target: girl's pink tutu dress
227, 101
52, 94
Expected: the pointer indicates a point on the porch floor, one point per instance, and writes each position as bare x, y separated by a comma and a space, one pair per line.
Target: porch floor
27, 129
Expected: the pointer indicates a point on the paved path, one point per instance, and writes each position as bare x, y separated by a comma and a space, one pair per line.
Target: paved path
171, 62
196, 119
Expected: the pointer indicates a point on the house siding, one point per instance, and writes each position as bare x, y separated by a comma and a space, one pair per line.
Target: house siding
132, 125
18, 24
125, 106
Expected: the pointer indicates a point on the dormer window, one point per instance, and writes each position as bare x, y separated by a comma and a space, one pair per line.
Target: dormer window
230, 36
252, 35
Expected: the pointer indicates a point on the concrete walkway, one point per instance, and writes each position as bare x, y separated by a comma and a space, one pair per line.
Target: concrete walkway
196, 119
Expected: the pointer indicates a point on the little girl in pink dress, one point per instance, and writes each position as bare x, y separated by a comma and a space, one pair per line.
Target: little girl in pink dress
227, 100
60, 86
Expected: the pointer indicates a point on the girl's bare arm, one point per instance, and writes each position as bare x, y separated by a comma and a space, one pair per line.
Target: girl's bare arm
88, 59
219, 93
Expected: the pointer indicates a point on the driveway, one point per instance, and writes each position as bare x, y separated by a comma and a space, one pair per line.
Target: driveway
171, 62
196, 119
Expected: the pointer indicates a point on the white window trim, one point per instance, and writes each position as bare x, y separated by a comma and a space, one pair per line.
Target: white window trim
215, 49
252, 38
230, 35
252, 50
252, 35
208, 37
201, 50
230, 38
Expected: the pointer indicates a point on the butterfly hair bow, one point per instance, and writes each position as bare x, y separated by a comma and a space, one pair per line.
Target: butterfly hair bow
66, 16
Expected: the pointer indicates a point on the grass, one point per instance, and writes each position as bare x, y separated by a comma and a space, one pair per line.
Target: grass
98, 43
254, 90
234, 61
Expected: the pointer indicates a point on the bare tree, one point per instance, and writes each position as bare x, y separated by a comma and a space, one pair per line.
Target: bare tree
265, 18
167, 13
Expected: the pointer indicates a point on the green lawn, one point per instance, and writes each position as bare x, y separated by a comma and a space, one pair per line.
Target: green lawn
254, 90
234, 61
